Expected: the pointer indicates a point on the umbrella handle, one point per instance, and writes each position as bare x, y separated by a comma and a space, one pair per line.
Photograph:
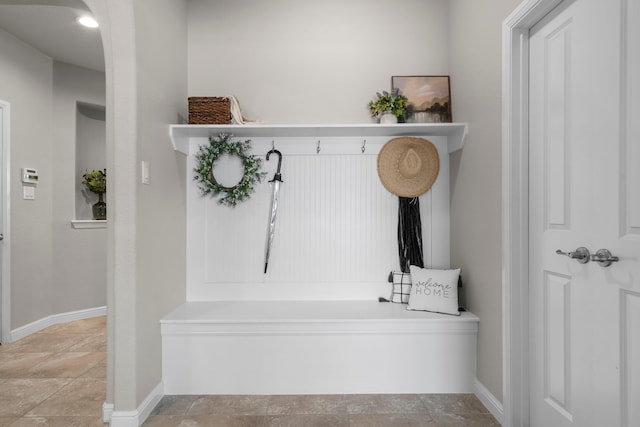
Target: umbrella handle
277, 176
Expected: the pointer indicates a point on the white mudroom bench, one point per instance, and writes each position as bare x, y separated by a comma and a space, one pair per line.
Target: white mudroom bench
315, 347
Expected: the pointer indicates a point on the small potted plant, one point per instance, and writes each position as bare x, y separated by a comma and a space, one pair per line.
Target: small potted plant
96, 182
388, 107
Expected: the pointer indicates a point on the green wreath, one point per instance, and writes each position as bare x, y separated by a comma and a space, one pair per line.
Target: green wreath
206, 157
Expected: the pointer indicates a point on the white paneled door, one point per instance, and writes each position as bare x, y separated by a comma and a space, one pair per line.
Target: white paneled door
584, 192
4, 221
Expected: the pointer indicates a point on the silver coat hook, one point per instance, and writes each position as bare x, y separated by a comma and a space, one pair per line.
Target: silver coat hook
318, 147
273, 145
363, 148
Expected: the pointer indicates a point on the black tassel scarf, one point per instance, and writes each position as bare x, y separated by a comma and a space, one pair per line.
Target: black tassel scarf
409, 233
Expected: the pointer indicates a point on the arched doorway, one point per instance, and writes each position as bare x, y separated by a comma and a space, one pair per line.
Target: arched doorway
118, 37
49, 64
116, 20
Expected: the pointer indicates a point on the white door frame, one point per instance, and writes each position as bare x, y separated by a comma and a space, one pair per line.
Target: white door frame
5, 293
515, 207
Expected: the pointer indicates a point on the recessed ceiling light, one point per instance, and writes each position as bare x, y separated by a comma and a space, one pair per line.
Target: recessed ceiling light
88, 21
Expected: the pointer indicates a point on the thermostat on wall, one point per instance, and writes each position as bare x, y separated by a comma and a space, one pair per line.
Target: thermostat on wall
29, 176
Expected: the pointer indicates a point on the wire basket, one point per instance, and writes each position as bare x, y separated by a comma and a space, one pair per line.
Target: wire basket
207, 110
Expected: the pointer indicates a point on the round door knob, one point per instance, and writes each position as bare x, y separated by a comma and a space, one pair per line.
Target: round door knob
604, 258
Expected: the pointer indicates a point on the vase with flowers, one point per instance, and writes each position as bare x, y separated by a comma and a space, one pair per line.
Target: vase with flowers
96, 182
389, 107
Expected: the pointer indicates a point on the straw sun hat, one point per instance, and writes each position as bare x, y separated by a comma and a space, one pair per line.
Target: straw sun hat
408, 166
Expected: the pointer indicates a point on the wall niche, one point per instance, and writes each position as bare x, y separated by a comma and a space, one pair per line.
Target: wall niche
90, 153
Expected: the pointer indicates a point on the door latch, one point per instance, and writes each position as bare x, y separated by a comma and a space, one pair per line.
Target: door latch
581, 254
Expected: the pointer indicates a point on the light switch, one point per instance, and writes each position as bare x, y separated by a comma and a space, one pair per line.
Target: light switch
28, 192
145, 172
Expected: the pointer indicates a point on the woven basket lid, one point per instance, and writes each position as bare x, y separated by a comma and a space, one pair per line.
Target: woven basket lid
408, 166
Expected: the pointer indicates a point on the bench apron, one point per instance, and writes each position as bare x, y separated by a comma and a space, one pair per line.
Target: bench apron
315, 347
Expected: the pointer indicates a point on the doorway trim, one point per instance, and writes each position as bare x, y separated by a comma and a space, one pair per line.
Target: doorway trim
5, 193
515, 207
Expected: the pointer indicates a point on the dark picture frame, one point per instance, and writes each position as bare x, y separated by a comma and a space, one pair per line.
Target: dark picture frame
429, 97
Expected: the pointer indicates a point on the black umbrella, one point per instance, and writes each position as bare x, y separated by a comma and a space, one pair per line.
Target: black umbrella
277, 179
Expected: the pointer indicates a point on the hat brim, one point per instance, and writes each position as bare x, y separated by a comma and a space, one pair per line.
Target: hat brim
389, 171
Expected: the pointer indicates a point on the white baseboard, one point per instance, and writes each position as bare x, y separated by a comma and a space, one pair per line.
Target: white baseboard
124, 419
54, 319
137, 417
107, 411
150, 402
488, 400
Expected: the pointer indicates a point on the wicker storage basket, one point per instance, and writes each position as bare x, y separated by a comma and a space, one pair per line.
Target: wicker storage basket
206, 110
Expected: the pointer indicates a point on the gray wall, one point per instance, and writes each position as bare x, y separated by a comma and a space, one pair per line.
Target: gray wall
80, 270
476, 171
46, 280
161, 206
26, 81
291, 61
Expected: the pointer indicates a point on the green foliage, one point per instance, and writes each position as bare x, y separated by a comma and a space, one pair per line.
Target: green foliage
389, 102
205, 159
95, 181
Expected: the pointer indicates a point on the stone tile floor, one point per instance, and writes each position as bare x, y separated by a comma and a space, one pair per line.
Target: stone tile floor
56, 377
387, 410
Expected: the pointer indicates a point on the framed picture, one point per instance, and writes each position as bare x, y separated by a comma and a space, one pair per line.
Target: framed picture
429, 97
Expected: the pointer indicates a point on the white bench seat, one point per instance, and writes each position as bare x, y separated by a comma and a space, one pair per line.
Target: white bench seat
315, 347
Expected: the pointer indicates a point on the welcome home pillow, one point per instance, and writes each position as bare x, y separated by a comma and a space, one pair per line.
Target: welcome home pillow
434, 290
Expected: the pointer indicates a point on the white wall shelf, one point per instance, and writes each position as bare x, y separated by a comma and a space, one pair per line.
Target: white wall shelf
88, 223
454, 132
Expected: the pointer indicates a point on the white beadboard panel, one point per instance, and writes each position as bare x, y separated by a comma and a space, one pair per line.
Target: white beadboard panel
557, 46
335, 232
331, 226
